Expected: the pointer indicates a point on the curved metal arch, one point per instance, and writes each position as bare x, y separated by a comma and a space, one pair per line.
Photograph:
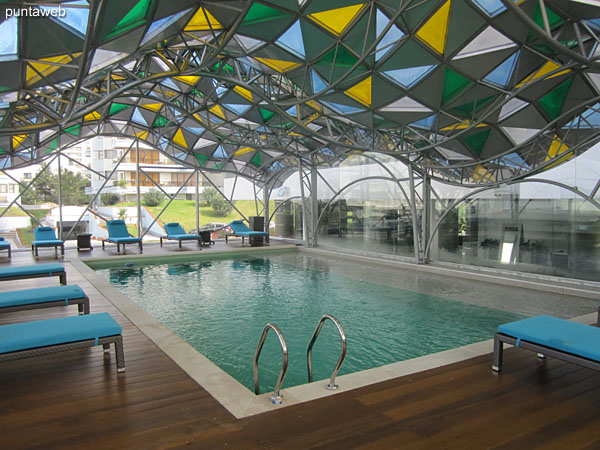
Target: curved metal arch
281, 204
488, 188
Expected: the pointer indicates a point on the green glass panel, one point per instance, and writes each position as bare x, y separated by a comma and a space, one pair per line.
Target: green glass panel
261, 13
117, 107
453, 84
477, 141
554, 20
221, 66
470, 108
134, 18
54, 144
160, 122
201, 158
340, 57
219, 166
553, 101
74, 130
256, 160
266, 114
4, 88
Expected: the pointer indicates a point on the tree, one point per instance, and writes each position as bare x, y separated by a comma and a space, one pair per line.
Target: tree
110, 199
209, 194
221, 206
152, 198
45, 188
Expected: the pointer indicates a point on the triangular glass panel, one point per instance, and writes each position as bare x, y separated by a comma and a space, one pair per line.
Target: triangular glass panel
520, 135
249, 44
426, 123
394, 34
238, 109
317, 82
502, 74
219, 152
259, 13
291, 40
103, 58
553, 101
169, 83
72, 17
409, 76
342, 109
490, 7
195, 130
163, 142
133, 19
589, 119
9, 40
162, 24
292, 111
489, 40
511, 107
405, 104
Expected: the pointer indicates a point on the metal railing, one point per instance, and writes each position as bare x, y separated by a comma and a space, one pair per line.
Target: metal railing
331, 385
276, 397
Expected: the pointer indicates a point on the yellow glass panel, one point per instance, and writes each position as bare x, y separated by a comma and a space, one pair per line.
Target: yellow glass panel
202, 21
18, 139
142, 134
188, 79
337, 20
481, 174
152, 106
434, 31
243, 151
278, 65
244, 93
37, 70
546, 68
314, 105
557, 148
197, 116
462, 126
361, 92
92, 116
217, 111
179, 139
312, 117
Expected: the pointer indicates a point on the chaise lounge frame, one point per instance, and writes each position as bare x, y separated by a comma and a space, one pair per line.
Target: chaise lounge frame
500, 339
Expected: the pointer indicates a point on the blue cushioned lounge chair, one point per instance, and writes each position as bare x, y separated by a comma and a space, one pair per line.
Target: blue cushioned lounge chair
40, 337
176, 232
45, 297
551, 336
118, 234
240, 229
5, 245
46, 237
34, 271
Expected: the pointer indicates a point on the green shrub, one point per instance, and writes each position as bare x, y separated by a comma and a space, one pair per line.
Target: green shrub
152, 198
221, 207
110, 199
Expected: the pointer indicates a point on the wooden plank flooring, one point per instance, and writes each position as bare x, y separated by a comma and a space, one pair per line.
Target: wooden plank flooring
76, 399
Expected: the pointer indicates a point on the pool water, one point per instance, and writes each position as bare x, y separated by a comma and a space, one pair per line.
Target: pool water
220, 308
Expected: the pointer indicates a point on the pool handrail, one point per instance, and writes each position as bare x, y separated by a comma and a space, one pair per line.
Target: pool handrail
276, 396
331, 386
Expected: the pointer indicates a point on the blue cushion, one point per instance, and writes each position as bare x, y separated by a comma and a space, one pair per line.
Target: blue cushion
31, 270
117, 229
124, 240
184, 237
42, 333
40, 295
559, 334
44, 234
174, 228
48, 242
4, 244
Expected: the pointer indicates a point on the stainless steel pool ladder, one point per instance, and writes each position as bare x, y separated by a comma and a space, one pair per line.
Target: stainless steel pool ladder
331, 385
276, 397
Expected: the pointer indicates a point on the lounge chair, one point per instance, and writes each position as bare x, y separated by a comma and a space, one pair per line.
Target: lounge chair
40, 337
551, 336
176, 232
45, 297
5, 245
34, 271
118, 234
46, 237
240, 229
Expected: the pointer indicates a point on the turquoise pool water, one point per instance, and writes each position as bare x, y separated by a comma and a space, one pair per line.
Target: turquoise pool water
220, 307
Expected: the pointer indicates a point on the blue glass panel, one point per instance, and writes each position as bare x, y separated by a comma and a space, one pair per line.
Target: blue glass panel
514, 160
195, 130
221, 90
292, 111
138, 118
490, 7
163, 142
409, 76
238, 109
162, 24
426, 123
74, 19
8, 39
390, 37
168, 82
342, 109
219, 152
501, 75
318, 84
291, 40
588, 119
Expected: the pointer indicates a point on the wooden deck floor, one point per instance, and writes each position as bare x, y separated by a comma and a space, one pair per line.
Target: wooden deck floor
77, 400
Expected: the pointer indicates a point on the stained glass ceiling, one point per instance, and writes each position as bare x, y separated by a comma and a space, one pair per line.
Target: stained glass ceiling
469, 91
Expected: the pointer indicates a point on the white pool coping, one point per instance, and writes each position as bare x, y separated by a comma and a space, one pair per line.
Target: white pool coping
235, 397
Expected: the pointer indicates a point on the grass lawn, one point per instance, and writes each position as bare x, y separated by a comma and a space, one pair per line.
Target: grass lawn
27, 233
